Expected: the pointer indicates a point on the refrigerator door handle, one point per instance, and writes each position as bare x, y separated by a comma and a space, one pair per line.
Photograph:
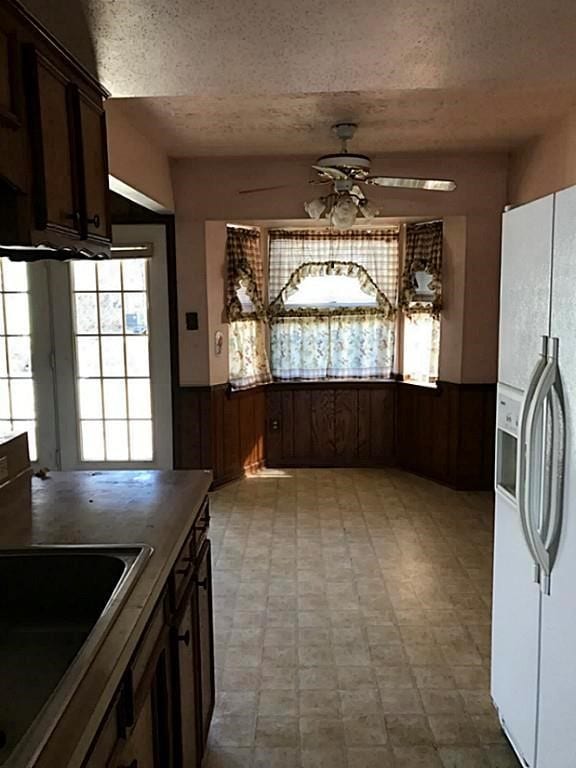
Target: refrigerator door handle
553, 514
522, 469
542, 393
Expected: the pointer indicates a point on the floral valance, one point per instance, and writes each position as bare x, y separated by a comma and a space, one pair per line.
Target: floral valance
244, 270
278, 307
375, 251
421, 289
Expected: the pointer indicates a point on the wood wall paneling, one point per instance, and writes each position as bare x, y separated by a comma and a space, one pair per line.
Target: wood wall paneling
445, 433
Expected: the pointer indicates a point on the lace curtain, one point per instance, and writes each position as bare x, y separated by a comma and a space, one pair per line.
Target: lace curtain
333, 347
341, 342
422, 274
247, 353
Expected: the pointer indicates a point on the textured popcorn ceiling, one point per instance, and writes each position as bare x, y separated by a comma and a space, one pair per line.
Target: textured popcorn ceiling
261, 76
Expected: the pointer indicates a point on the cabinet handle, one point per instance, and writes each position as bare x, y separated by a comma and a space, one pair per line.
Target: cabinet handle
94, 220
203, 584
185, 638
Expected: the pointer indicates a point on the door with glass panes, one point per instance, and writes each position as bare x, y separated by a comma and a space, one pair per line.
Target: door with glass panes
85, 366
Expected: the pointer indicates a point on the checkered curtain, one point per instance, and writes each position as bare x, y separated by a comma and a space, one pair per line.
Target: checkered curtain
376, 251
244, 267
248, 364
423, 254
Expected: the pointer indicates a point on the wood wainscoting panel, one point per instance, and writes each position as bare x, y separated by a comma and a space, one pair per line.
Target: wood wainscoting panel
447, 433
219, 430
331, 424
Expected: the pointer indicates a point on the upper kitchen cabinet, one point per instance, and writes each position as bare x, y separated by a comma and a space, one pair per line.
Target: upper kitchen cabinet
69, 155
94, 163
53, 148
13, 165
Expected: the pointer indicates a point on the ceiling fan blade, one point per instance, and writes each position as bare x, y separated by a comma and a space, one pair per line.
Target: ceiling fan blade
435, 185
330, 172
263, 189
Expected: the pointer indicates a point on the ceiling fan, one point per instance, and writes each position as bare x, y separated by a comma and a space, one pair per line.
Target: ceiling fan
346, 171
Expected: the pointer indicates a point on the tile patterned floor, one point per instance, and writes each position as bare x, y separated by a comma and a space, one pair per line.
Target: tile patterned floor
352, 619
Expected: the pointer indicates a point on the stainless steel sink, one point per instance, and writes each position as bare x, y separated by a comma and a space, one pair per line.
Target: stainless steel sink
56, 606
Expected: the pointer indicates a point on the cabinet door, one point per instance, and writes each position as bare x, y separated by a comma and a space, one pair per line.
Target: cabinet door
95, 211
13, 157
188, 748
205, 637
139, 750
54, 152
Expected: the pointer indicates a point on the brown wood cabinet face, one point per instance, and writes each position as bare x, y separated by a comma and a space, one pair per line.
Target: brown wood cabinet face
94, 169
53, 147
13, 156
205, 638
188, 752
139, 750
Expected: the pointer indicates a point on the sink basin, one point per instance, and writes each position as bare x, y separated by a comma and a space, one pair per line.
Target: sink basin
56, 607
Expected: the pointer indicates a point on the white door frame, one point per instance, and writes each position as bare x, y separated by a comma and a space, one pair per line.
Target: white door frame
160, 370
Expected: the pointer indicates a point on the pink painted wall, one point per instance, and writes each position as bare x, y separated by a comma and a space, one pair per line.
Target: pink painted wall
206, 190
546, 164
135, 160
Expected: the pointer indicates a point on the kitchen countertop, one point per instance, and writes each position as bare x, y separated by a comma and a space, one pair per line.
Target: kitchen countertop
126, 507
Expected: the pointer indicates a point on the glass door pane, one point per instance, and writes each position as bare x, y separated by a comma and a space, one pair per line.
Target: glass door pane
112, 360
17, 396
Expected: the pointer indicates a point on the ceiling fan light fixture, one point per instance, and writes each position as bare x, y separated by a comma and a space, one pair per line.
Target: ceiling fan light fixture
315, 208
367, 210
344, 212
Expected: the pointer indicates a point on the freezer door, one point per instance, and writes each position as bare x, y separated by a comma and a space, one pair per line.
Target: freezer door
515, 629
525, 289
557, 719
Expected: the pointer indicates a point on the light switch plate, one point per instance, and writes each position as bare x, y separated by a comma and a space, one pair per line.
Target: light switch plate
3, 468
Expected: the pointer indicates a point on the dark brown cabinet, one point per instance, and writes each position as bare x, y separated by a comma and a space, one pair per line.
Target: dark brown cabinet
161, 713
51, 108
13, 160
205, 624
94, 164
185, 675
53, 149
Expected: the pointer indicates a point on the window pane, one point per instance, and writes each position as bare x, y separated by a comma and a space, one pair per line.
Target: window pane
88, 354
137, 356
83, 276
112, 355
141, 447
116, 440
15, 276
134, 274
110, 312
19, 362
17, 313
136, 313
4, 399
90, 398
92, 438
22, 396
109, 275
330, 290
139, 399
85, 313
3, 358
114, 398
421, 348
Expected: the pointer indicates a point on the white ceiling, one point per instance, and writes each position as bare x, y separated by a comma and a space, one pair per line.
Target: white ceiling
270, 76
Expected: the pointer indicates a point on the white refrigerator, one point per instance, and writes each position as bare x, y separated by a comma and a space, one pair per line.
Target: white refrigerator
534, 594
